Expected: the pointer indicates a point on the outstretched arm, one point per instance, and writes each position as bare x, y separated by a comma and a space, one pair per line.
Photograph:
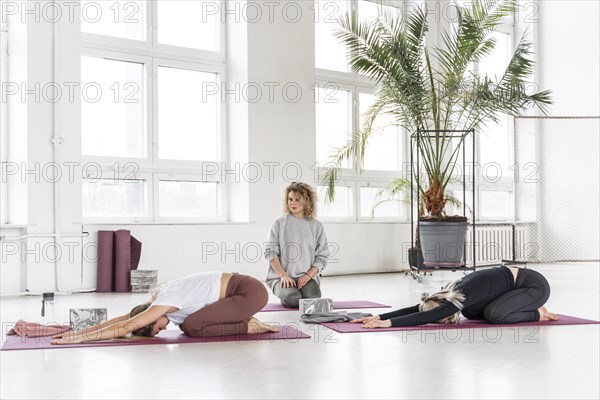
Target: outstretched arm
400, 312
110, 322
410, 316
117, 329
425, 317
372, 322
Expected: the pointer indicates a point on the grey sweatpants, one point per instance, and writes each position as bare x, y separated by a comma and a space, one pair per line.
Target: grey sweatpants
290, 297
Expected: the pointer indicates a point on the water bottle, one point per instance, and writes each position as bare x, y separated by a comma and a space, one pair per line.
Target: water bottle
48, 308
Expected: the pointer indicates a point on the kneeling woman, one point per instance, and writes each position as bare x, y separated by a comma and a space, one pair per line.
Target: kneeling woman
498, 295
203, 304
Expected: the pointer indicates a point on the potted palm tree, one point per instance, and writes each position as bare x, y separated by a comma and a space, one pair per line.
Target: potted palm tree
434, 89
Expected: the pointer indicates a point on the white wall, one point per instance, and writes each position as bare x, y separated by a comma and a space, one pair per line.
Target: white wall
176, 250
569, 65
45, 137
569, 55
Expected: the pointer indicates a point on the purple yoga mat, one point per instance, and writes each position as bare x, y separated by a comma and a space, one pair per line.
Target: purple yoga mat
338, 305
104, 266
118, 254
286, 332
347, 327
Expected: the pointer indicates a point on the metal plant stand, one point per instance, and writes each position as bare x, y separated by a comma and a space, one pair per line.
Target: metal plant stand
417, 270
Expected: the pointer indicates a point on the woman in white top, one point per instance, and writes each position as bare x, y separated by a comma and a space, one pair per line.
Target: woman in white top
203, 304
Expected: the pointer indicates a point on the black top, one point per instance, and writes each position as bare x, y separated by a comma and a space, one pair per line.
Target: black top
480, 288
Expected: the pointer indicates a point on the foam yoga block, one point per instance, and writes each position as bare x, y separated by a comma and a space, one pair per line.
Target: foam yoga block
143, 280
347, 327
173, 336
311, 306
81, 318
337, 305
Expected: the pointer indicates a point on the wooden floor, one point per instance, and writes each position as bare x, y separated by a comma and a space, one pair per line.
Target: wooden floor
551, 362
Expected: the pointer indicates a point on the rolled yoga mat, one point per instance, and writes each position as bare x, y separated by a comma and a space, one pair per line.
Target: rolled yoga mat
104, 275
173, 336
347, 327
118, 254
337, 305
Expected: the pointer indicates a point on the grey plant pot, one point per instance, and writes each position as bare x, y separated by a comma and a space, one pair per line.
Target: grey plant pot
443, 243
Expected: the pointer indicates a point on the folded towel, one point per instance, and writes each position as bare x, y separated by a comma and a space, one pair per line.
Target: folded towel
318, 318
34, 329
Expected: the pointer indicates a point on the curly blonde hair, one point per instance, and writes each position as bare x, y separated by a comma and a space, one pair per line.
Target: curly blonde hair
308, 195
449, 294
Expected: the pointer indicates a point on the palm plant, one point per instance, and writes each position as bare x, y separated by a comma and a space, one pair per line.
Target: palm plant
434, 88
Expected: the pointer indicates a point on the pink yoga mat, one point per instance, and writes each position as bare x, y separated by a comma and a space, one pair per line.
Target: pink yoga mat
347, 327
286, 332
338, 305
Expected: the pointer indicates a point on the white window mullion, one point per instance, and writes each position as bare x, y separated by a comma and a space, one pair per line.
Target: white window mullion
155, 198
152, 26
154, 112
3, 122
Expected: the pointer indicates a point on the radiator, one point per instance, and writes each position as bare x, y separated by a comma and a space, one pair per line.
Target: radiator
494, 243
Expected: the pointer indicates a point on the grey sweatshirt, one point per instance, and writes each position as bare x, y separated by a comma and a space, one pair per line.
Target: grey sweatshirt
299, 243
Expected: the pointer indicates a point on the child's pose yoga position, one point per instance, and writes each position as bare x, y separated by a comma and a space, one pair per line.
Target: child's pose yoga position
203, 304
498, 295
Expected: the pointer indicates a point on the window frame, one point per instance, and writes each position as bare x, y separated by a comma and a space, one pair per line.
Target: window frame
108, 174
374, 183
351, 217
186, 177
505, 182
152, 54
353, 177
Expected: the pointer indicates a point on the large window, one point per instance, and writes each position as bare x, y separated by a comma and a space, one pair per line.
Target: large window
341, 99
495, 194
149, 125
3, 119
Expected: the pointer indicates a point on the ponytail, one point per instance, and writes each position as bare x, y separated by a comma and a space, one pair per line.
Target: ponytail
447, 294
153, 292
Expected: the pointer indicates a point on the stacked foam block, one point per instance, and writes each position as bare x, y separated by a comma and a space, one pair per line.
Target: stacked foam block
143, 279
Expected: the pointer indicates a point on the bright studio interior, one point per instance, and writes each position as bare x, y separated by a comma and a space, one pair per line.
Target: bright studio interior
318, 199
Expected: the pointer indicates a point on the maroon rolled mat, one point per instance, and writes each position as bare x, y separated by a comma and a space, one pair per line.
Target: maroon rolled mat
136, 252
122, 261
118, 254
286, 332
347, 327
338, 305
104, 274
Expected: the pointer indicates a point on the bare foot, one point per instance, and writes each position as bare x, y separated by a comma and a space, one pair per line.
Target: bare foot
546, 315
256, 326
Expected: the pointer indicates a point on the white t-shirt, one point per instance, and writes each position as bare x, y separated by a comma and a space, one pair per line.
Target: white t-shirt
189, 294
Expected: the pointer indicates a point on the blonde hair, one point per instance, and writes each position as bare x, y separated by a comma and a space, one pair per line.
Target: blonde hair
449, 294
145, 330
308, 195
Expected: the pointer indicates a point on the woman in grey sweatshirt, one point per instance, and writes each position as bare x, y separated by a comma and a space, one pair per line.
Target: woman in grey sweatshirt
296, 248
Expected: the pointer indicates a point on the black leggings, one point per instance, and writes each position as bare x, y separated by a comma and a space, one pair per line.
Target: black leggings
521, 304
